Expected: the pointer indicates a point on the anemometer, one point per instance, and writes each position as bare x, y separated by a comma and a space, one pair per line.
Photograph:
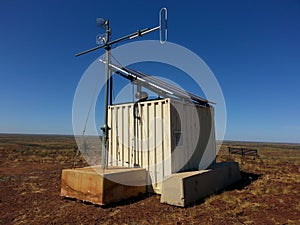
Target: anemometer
103, 41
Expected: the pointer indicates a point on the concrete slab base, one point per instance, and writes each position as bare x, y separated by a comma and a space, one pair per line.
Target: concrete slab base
92, 184
183, 189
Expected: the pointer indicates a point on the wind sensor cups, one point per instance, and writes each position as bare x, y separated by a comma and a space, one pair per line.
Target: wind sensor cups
101, 39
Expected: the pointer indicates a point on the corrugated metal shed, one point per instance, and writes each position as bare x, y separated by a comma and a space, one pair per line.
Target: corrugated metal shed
164, 136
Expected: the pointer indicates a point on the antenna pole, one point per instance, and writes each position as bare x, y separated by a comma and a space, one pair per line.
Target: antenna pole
107, 72
108, 84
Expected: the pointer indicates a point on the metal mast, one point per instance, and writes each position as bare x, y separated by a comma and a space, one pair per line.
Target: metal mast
107, 74
163, 16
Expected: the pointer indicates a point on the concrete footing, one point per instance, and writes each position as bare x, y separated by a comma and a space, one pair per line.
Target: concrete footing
183, 189
92, 184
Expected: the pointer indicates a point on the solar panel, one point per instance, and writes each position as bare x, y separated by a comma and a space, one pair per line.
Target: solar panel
157, 85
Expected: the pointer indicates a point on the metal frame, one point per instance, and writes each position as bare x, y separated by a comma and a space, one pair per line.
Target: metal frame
107, 46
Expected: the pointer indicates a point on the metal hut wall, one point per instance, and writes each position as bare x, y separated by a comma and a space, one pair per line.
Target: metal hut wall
164, 136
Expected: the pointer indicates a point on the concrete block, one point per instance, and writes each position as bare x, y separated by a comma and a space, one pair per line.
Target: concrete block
183, 189
92, 184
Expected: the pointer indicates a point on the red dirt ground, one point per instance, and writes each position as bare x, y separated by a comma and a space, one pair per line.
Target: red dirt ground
30, 193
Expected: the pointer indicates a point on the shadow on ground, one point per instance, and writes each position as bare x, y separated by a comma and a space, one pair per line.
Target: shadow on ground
114, 204
246, 179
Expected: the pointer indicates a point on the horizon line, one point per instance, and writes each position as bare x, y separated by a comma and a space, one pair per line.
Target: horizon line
225, 140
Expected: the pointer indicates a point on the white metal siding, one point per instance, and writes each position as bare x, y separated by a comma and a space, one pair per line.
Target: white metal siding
151, 147
156, 129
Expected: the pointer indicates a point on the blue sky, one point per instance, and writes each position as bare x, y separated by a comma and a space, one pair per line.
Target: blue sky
253, 48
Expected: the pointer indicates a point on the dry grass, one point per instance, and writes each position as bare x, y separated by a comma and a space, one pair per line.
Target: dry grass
267, 194
273, 196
